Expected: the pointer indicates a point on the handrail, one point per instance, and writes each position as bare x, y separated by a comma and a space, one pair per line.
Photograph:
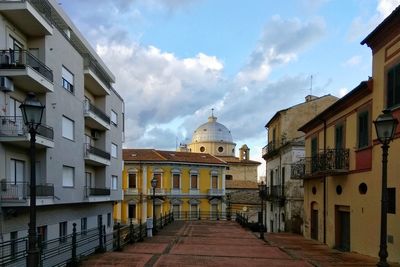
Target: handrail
14, 126
12, 191
19, 59
96, 151
92, 108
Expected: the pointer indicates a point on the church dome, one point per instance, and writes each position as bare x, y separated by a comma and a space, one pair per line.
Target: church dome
212, 131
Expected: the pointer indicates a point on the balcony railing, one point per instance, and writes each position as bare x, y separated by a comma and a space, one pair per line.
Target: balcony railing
90, 64
131, 191
89, 107
277, 191
14, 126
97, 152
328, 162
10, 191
270, 148
216, 192
158, 191
96, 191
20, 59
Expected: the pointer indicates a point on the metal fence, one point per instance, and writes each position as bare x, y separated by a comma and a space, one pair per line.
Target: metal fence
69, 250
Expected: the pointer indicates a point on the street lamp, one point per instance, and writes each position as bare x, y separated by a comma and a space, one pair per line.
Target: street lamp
32, 113
385, 126
262, 193
154, 185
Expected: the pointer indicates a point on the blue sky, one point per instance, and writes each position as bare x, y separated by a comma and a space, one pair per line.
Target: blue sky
174, 60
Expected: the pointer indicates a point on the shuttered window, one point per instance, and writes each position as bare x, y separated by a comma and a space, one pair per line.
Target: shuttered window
393, 86
176, 178
193, 181
158, 177
132, 180
214, 180
67, 80
363, 129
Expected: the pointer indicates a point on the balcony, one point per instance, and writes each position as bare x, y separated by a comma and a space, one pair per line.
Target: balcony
176, 192
96, 191
131, 191
270, 150
159, 192
26, 17
14, 131
326, 163
95, 118
96, 80
194, 191
27, 72
18, 193
95, 156
216, 192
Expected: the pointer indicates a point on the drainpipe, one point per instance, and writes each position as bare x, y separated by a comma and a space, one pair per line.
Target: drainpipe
325, 196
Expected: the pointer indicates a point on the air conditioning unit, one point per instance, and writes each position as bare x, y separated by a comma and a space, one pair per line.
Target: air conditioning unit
95, 134
6, 84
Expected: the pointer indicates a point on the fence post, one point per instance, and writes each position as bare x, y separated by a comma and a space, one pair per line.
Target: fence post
105, 238
101, 245
118, 236
131, 233
140, 230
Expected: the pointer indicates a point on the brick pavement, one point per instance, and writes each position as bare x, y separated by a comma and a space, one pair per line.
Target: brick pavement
225, 243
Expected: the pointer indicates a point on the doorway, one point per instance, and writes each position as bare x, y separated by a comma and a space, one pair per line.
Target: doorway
342, 228
314, 221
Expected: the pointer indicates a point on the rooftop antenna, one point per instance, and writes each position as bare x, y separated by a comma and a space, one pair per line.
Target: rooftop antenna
311, 86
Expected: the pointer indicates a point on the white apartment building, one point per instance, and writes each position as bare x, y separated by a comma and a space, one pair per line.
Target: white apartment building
79, 144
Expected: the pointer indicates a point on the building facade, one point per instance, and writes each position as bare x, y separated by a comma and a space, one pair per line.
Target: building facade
286, 146
343, 169
79, 143
191, 185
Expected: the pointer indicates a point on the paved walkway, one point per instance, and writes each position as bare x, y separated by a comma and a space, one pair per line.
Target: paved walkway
224, 243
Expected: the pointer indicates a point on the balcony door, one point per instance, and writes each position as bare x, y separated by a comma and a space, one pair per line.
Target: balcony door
214, 182
88, 180
17, 171
314, 154
339, 146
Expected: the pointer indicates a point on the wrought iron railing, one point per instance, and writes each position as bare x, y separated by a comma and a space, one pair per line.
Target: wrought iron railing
277, 191
20, 191
89, 107
96, 191
20, 59
329, 161
14, 126
96, 151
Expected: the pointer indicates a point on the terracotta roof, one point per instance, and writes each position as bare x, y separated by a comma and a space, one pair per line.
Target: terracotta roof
239, 184
238, 161
247, 196
169, 156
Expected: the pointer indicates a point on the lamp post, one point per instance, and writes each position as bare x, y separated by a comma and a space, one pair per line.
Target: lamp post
154, 185
32, 112
262, 193
385, 126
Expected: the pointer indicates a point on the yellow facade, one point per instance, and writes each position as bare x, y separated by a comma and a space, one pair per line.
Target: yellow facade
361, 182
186, 201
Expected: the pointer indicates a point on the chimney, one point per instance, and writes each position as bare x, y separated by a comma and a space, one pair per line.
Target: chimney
310, 98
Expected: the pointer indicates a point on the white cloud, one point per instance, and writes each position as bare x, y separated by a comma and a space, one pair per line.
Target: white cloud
157, 86
281, 41
385, 7
353, 61
343, 91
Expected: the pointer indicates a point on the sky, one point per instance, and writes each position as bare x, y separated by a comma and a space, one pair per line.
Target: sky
175, 60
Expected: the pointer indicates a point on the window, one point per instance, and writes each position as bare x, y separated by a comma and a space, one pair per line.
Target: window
194, 209
393, 87
176, 180
391, 200
17, 171
114, 118
84, 225
114, 182
214, 182
132, 211
14, 111
228, 177
68, 176
220, 149
67, 128
202, 149
108, 219
363, 129
193, 181
67, 80
114, 149
132, 180
176, 210
339, 136
63, 231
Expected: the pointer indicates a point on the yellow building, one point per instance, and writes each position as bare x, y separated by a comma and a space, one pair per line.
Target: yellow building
342, 170
192, 185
